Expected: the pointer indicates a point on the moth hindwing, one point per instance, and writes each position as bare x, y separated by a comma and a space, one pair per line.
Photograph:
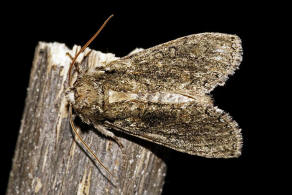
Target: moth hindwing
161, 94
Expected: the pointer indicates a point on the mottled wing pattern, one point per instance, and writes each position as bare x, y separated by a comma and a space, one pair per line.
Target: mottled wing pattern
194, 128
192, 64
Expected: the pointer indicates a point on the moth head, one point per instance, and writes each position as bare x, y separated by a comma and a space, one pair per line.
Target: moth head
87, 97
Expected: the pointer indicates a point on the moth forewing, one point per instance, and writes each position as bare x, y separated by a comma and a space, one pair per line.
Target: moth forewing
160, 94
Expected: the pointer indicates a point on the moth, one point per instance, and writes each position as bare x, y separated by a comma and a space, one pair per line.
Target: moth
162, 94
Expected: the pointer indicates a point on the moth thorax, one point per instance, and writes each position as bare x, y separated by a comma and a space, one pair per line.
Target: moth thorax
88, 98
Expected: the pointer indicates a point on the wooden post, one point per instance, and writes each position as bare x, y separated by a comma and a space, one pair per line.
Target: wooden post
47, 160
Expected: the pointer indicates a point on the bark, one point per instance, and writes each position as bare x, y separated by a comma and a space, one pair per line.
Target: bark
48, 160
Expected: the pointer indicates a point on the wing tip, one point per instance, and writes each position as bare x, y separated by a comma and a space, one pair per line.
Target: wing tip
237, 55
239, 144
238, 139
235, 142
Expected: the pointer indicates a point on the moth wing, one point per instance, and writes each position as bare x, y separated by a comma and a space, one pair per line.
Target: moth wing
192, 128
197, 63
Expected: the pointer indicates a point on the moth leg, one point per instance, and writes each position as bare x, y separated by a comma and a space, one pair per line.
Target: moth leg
108, 133
69, 55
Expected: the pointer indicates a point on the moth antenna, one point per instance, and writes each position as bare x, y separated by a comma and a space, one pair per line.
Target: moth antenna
83, 142
85, 46
70, 80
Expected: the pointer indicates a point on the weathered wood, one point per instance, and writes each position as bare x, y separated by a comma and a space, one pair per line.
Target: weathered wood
47, 160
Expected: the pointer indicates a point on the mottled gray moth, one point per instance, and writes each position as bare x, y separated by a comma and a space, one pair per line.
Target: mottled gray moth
162, 94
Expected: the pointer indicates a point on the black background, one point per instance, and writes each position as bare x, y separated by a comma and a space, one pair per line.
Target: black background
143, 24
